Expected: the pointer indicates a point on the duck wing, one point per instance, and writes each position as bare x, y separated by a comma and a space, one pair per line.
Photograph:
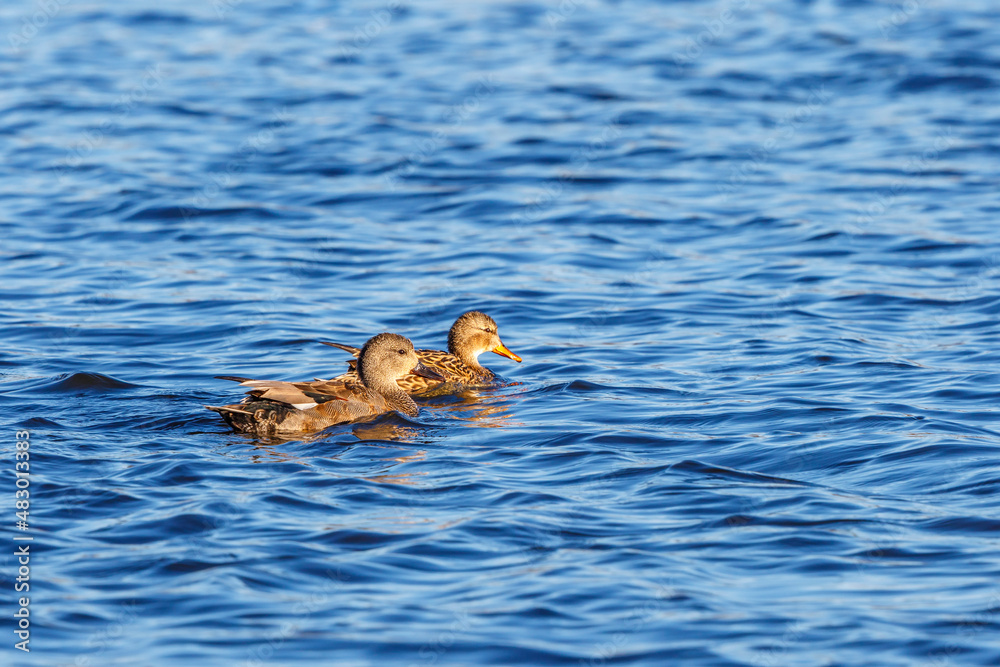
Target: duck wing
273, 405
450, 366
299, 395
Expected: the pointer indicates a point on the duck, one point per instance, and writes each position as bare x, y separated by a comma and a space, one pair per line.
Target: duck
274, 406
472, 334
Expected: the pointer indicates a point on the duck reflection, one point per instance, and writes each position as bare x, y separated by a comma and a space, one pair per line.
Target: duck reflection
480, 408
386, 431
265, 454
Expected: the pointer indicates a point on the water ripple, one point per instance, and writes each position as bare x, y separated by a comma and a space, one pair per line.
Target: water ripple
748, 255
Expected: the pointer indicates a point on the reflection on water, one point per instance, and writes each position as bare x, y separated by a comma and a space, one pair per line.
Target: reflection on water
711, 260
479, 407
384, 429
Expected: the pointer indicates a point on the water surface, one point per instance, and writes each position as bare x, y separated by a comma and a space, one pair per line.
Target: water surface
747, 251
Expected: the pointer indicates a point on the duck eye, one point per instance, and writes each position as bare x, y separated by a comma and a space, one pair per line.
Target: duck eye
402, 351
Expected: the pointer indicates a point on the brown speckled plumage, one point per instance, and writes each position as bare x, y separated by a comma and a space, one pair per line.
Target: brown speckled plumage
273, 406
472, 334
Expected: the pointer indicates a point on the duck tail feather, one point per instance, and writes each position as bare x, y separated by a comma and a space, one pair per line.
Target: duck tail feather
223, 409
346, 348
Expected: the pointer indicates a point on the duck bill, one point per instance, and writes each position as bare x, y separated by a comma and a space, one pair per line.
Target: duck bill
425, 372
502, 350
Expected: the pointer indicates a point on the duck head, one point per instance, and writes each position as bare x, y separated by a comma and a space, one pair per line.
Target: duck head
474, 333
387, 357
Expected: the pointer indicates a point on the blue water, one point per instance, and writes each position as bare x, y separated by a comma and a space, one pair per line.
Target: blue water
747, 250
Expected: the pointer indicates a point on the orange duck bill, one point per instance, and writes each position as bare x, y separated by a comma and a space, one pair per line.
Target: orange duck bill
502, 350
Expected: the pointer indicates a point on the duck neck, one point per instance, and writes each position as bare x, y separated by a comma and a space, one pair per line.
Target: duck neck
466, 356
393, 395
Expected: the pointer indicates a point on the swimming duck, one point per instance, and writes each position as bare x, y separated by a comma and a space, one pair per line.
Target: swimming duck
272, 405
472, 334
